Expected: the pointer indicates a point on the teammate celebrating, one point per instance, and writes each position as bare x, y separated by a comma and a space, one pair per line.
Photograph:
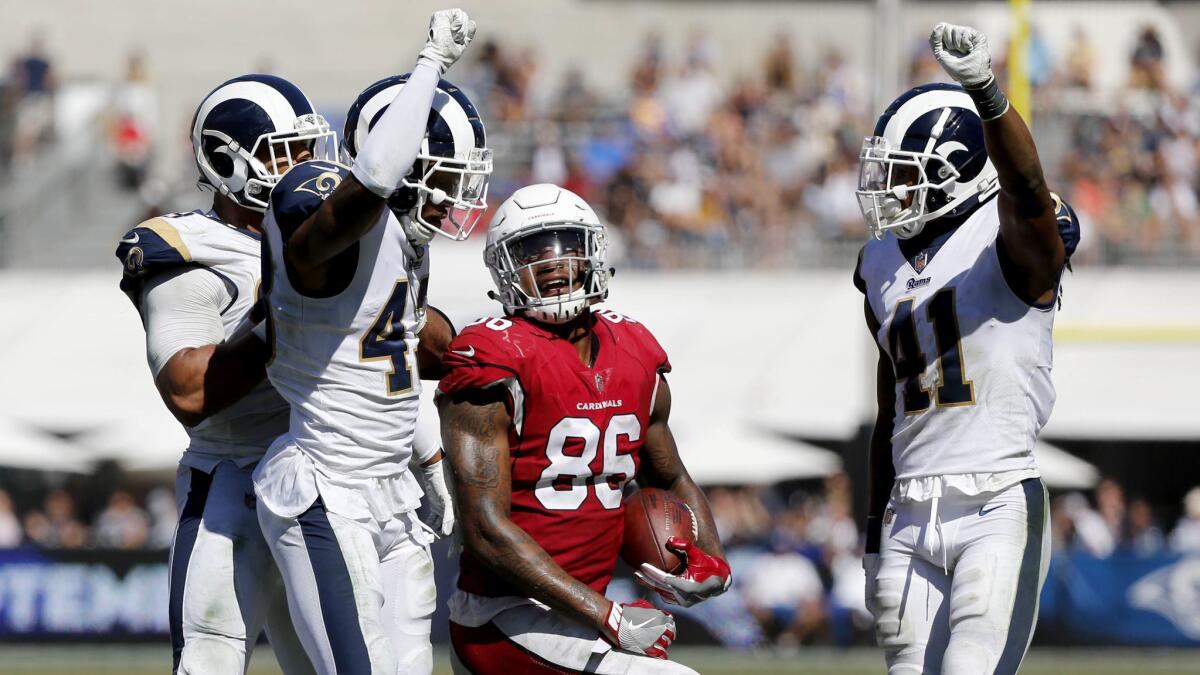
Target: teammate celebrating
347, 268
547, 413
194, 277
961, 286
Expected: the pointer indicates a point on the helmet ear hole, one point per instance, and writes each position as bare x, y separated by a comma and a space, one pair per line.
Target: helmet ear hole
222, 164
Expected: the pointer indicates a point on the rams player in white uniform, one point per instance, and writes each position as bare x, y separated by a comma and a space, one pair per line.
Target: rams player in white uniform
194, 278
348, 265
961, 284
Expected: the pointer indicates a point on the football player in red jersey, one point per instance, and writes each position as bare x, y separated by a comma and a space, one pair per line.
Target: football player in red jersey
547, 413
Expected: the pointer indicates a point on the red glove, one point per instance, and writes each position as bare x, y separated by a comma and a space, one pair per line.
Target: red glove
704, 576
640, 628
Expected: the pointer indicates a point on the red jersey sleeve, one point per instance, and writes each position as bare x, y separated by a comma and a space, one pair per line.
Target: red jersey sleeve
479, 357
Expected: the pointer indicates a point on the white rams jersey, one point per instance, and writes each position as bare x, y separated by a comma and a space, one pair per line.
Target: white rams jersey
346, 363
972, 359
245, 429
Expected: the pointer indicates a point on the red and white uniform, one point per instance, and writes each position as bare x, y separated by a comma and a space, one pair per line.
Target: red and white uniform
574, 443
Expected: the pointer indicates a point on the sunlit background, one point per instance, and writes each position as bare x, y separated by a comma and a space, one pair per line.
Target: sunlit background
719, 142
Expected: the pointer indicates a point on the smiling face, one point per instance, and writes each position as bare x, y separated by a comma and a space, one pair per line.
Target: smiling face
550, 263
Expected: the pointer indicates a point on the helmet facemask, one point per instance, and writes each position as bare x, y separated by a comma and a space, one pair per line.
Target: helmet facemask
551, 272
888, 177
241, 173
459, 183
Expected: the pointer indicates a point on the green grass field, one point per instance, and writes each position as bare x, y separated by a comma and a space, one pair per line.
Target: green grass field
53, 659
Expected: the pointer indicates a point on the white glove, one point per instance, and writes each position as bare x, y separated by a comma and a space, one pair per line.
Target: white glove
439, 517
418, 235
639, 628
870, 565
450, 31
963, 53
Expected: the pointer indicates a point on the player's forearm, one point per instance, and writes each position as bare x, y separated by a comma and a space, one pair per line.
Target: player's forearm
1011, 148
348, 214
512, 554
434, 339
707, 537
202, 381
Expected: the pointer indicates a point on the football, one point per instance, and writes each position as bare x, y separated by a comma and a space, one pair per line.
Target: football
651, 517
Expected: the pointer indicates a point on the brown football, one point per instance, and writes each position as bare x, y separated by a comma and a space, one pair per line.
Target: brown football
651, 517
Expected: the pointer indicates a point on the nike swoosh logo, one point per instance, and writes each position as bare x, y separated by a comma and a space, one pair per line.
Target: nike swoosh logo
639, 626
469, 352
131, 240
984, 513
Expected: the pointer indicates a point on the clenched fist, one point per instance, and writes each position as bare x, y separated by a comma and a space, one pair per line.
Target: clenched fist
962, 52
450, 31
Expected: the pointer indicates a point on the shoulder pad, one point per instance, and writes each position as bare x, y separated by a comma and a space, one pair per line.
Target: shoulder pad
302, 190
148, 249
637, 338
480, 356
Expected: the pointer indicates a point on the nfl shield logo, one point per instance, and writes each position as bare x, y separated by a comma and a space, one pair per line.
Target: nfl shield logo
920, 261
600, 383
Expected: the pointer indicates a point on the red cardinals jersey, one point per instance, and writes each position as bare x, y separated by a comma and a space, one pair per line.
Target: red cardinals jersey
575, 438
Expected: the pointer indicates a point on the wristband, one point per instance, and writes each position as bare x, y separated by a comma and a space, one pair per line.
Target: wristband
989, 100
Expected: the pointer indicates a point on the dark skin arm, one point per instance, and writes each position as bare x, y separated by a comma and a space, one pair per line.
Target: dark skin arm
475, 436
1031, 244
348, 214
198, 382
435, 338
661, 467
881, 474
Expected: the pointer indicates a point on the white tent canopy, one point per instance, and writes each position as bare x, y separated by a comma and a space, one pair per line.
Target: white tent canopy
1060, 469
22, 447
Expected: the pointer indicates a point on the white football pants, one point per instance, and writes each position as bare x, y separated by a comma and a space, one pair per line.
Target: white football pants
959, 580
224, 586
362, 594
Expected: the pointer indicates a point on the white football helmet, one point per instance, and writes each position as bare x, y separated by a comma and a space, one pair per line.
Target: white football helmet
547, 253
928, 146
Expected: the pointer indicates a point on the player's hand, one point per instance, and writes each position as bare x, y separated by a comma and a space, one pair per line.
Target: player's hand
440, 516
962, 52
704, 575
450, 31
640, 628
870, 565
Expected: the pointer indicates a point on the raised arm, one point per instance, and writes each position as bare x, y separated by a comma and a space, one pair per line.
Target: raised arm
1031, 247
197, 373
385, 158
706, 573
475, 436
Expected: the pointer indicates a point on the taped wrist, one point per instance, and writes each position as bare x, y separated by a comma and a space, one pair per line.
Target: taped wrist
874, 534
392, 146
989, 100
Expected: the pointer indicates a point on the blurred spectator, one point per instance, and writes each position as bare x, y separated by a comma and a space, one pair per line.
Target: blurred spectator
1146, 61
1081, 59
10, 527
1186, 536
1143, 536
122, 524
133, 125
161, 507
34, 82
56, 526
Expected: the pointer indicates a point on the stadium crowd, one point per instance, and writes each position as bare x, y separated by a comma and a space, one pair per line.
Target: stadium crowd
696, 172
796, 550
